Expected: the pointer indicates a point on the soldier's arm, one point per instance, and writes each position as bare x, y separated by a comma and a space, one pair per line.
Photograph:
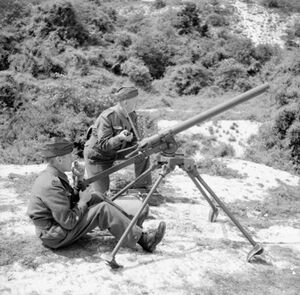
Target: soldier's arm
107, 141
59, 203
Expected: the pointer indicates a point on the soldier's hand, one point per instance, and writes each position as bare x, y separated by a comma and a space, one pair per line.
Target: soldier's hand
78, 170
84, 196
126, 135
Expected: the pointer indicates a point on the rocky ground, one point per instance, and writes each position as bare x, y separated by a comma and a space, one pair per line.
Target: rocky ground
195, 257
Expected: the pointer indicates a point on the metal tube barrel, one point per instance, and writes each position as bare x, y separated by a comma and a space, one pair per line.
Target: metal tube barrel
209, 113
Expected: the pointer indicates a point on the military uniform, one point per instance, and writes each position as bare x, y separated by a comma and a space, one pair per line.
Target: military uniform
103, 146
59, 218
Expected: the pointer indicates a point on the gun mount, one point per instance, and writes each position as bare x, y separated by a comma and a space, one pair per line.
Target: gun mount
165, 144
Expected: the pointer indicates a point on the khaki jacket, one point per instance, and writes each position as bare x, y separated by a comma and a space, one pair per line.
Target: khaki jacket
53, 206
103, 143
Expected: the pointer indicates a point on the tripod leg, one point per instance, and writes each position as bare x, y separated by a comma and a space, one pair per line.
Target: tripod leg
124, 189
111, 258
257, 248
214, 210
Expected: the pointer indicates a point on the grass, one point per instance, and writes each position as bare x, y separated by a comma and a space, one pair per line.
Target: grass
278, 207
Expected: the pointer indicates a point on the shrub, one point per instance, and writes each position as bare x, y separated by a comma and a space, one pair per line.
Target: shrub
13, 11
189, 79
60, 110
263, 53
158, 4
213, 57
9, 94
240, 49
44, 66
230, 75
223, 150
285, 5
102, 23
293, 136
8, 43
137, 72
188, 20
123, 39
216, 167
60, 19
286, 94
283, 120
154, 51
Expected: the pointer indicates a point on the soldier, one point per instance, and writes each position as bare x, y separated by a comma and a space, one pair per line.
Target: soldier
110, 137
61, 215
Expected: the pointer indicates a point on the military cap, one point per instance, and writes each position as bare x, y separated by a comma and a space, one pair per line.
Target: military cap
126, 92
56, 147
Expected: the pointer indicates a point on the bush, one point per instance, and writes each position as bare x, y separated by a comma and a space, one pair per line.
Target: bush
240, 49
13, 11
189, 79
293, 136
231, 75
45, 66
188, 20
263, 53
223, 150
8, 43
60, 19
212, 58
216, 167
59, 111
137, 72
158, 4
285, 5
283, 120
123, 39
9, 94
154, 51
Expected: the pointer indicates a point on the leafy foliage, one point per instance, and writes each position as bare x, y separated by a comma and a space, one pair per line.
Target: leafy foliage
285, 5
188, 20
137, 72
60, 60
189, 79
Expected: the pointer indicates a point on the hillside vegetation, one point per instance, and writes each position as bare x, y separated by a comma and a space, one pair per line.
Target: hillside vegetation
61, 61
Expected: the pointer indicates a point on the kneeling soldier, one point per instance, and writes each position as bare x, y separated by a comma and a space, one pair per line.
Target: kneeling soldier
61, 216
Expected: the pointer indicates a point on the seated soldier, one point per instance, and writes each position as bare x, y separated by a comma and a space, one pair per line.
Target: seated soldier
61, 215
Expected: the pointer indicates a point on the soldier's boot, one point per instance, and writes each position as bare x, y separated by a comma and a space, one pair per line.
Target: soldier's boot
150, 239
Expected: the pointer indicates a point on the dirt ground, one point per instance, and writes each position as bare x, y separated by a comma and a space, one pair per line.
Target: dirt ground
195, 257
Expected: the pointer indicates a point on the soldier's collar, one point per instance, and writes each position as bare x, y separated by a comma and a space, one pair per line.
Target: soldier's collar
57, 173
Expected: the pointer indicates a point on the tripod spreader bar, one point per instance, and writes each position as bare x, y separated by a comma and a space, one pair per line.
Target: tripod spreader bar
154, 166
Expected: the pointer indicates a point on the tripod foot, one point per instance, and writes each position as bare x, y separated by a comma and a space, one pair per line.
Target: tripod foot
213, 214
111, 261
257, 250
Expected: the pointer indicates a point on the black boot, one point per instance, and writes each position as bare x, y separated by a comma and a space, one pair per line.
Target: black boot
150, 239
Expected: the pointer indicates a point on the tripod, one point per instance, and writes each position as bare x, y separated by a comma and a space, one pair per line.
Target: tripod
167, 165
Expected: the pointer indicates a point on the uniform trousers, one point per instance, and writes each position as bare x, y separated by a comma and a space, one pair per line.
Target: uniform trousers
99, 214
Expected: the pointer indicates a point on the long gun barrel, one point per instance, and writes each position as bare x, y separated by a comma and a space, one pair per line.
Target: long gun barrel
164, 142
150, 141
